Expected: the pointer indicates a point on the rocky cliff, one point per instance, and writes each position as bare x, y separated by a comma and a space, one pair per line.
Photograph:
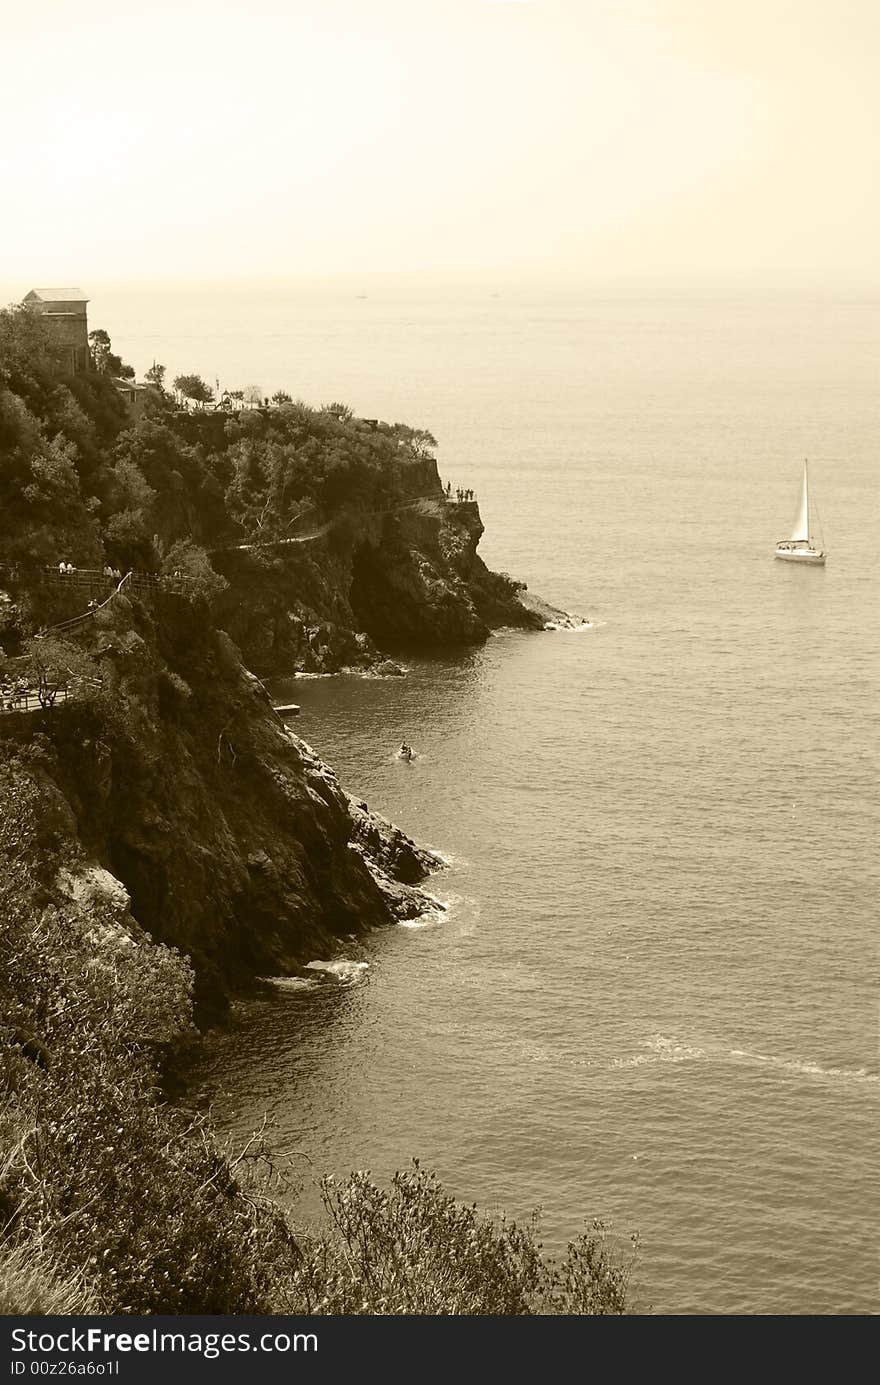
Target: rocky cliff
364, 583
176, 802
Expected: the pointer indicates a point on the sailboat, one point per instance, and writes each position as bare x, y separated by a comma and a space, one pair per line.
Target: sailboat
803, 546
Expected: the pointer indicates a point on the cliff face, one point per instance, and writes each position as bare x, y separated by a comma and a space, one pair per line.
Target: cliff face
179, 796
367, 582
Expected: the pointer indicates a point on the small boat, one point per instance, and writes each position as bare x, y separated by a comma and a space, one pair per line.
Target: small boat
287, 709
406, 752
803, 546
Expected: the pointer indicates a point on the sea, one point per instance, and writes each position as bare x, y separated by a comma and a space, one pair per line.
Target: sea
649, 996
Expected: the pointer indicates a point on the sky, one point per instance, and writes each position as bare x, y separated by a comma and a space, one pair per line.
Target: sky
588, 139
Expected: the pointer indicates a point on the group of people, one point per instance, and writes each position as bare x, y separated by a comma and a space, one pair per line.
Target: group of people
111, 573
460, 494
406, 751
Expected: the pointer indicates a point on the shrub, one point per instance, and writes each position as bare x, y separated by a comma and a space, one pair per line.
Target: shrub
192, 563
104, 1184
413, 1249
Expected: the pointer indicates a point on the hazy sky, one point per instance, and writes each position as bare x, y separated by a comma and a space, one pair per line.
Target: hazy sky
580, 137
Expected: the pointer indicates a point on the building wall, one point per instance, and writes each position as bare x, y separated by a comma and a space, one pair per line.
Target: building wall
69, 325
71, 331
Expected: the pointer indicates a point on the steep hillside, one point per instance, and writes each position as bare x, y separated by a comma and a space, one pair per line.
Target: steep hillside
178, 792
368, 584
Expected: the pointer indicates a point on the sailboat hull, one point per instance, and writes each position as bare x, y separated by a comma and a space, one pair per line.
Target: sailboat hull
801, 555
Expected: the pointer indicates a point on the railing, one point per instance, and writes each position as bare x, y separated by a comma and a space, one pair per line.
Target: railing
91, 577
28, 700
97, 582
94, 608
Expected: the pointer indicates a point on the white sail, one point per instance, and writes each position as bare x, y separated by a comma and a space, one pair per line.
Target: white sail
801, 531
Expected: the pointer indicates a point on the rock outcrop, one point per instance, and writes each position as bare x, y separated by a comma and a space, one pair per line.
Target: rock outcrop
367, 583
180, 798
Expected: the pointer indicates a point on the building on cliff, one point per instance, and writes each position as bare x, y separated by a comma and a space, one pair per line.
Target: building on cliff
65, 311
136, 395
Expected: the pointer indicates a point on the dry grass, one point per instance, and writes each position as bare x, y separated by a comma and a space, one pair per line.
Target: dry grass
31, 1282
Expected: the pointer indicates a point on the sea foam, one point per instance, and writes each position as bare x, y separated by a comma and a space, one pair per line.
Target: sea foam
663, 1049
345, 972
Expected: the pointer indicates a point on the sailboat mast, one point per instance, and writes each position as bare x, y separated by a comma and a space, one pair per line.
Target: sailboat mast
807, 499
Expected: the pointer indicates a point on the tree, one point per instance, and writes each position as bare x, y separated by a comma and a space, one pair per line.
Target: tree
193, 387
253, 395
105, 359
281, 397
156, 376
421, 442
101, 346
52, 664
54, 429
190, 562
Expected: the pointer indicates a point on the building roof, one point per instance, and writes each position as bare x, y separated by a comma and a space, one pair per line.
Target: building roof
63, 295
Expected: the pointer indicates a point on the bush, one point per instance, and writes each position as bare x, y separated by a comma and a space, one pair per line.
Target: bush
414, 1250
104, 1185
192, 563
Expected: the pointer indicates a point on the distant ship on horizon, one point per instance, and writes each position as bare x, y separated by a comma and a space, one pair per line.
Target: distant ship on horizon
803, 546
